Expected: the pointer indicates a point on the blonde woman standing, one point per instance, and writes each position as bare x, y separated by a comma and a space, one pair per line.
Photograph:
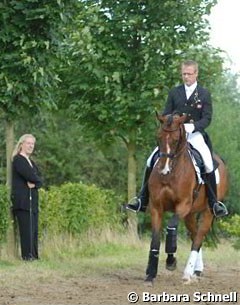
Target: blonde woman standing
26, 181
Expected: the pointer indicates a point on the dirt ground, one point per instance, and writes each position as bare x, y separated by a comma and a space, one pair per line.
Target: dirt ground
113, 287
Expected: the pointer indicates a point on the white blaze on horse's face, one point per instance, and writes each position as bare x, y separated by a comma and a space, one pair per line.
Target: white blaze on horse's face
166, 170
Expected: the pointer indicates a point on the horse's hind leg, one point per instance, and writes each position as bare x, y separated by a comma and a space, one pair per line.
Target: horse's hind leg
195, 264
153, 259
171, 242
198, 269
191, 225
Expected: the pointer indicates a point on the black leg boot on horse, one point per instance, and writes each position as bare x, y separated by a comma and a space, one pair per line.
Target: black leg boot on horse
140, 203
171, 242
217, 207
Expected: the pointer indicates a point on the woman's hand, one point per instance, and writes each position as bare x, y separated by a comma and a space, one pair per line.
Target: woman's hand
30, 185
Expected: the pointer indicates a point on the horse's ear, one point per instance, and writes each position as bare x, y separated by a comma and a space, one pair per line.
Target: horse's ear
159, 117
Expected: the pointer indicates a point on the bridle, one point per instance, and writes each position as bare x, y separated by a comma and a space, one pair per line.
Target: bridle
177, 152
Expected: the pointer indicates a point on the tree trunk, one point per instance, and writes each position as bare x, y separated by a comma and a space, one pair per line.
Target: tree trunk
9, 150
132, 170
12, 240
132, 185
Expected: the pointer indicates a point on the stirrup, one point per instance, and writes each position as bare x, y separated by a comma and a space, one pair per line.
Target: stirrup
134, 205
219, 209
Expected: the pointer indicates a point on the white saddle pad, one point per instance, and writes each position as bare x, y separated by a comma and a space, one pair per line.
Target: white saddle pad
197, 170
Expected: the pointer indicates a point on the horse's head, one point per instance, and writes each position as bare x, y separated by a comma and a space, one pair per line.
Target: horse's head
171, 140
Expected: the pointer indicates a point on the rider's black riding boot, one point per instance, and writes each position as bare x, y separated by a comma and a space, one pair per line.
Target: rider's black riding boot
216, 207
140, 203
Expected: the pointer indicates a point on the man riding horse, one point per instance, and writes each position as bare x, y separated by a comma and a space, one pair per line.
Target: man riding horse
194, 101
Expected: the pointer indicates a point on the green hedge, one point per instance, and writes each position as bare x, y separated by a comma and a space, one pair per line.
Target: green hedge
76, 208
231, 227
70, 208
4, 212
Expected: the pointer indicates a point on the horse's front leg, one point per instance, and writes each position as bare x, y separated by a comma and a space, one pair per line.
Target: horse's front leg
171, 242
153, 259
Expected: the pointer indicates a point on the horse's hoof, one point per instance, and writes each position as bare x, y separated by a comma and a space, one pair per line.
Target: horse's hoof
171, 266
187, 282
198, 274
148, 281
186, 278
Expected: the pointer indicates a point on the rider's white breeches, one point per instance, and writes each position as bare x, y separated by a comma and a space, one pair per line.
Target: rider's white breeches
197, 141
149, 160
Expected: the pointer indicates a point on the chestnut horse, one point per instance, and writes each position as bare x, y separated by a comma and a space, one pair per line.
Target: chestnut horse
173, 186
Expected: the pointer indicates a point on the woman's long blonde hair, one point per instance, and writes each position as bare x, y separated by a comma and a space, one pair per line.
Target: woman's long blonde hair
18, 146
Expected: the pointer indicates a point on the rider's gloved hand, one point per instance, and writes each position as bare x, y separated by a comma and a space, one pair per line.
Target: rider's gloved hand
189, 127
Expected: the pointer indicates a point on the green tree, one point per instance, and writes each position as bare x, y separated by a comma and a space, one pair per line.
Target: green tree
224, 132
64, 154
29, 37
123, 58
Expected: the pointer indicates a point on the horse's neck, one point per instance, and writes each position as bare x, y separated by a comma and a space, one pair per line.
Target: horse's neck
181, 161
183, 164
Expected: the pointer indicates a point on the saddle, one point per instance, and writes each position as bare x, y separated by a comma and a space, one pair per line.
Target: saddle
199, 164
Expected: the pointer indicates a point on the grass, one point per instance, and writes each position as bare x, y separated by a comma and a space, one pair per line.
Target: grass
100, 254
